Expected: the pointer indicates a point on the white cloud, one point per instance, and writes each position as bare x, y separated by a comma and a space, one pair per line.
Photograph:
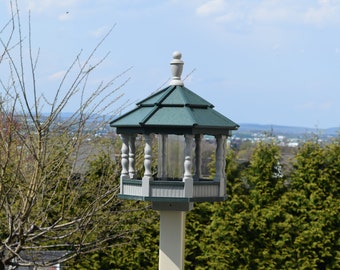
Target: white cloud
325, 13
231, 17
65, 16
44, 5
317, 106
326, 105
57, 75
99, 32
273, 11
210, 7
320, 12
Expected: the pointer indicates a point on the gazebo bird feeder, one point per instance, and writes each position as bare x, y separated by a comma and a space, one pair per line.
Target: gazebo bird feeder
174, 110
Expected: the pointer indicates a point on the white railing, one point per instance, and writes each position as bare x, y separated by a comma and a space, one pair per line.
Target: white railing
171, 189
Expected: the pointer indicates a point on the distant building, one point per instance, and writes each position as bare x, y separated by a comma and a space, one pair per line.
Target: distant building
41, 257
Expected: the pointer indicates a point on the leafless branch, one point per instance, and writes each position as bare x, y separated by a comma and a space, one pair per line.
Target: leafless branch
39, 197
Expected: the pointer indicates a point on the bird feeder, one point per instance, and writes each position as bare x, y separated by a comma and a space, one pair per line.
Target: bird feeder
172, 111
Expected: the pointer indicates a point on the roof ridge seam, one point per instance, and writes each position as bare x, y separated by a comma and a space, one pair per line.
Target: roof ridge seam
184, 96
195, 122
165, 95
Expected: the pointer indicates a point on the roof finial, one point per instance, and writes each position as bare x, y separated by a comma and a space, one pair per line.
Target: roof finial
176, 69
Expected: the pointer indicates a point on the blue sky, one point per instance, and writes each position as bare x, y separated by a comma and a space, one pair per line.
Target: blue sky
257, 61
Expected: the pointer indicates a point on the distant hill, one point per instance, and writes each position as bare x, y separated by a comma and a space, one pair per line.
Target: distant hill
335, 131
246, 128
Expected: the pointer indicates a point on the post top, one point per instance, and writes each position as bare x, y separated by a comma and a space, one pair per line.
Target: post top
176, 69
177, 55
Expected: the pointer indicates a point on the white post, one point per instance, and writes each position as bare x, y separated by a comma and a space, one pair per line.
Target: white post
132, 150
198, 158
220, 163
188, 157
148, 155
124, 161
147, 165
125, 156
187, 178
172, 239
223, 183
219, 158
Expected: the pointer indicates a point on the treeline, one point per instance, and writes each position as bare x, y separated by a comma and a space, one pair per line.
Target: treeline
274, 217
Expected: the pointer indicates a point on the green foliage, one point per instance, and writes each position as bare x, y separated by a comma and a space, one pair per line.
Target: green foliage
269, 220
140, 249
141, 252
197, 221
272, 221
314, 203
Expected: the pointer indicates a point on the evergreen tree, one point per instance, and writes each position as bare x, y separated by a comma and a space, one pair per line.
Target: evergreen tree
313, 205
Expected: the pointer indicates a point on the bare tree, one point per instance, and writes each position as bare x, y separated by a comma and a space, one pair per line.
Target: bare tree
43, 206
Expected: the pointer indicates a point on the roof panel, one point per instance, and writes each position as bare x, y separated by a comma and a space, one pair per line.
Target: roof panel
175, 106
156, 97
132, 118
211, 118
172, 116
183, 96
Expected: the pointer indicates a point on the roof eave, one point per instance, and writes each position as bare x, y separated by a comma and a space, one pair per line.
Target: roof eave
192, 129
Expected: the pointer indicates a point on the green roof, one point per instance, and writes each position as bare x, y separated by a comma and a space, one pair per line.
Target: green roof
174, 110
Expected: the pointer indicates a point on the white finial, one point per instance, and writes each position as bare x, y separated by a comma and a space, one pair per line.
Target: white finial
176, 69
